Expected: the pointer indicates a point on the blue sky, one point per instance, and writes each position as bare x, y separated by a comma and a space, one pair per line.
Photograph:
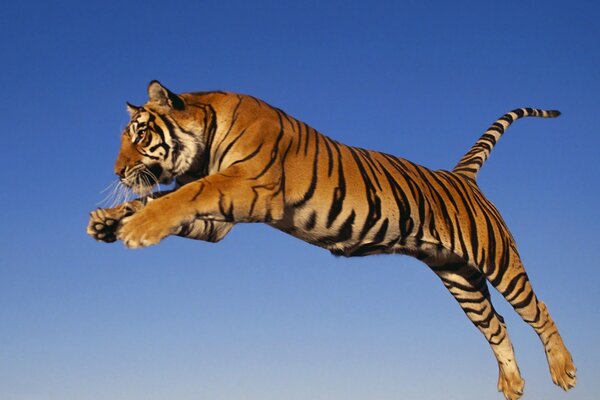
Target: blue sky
262, 315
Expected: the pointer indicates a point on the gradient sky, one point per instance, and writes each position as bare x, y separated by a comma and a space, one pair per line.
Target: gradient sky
262, 315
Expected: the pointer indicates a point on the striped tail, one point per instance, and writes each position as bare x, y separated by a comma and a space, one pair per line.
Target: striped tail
471, 162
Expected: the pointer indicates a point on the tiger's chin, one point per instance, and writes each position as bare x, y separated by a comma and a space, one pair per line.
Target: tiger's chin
142, 191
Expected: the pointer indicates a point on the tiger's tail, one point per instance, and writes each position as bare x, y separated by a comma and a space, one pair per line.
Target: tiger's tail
471, 162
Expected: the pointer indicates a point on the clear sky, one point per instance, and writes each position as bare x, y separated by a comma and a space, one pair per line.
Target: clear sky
262, 315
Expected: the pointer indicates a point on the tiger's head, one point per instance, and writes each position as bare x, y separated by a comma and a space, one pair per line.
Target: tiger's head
163, 140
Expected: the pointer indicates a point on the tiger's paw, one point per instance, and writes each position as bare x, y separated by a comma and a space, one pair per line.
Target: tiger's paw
562, 369
510, 384
103, 224
146, 228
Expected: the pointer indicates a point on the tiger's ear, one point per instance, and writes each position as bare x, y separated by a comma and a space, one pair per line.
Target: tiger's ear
163, 97
131, 109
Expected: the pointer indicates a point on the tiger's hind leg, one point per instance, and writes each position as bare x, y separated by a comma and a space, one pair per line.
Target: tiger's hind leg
512, 281
469, 288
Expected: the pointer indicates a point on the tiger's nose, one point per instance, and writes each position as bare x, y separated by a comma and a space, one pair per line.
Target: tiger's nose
120, 172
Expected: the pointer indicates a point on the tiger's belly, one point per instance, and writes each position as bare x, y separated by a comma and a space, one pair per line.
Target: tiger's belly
355, 232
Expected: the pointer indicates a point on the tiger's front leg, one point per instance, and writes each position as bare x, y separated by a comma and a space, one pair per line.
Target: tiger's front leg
104, 223
229, 197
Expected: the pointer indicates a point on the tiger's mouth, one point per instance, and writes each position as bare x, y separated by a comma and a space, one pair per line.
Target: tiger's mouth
156, 170
141, 178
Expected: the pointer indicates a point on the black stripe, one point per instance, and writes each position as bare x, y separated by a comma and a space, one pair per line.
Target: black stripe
510, 293
502, 266
274, 151
314, 179
521, 112
373, 200
326, 140
344, 233
248, 157
525, 302
443, 205
310, 223
224, 209
463, 194
299, 126
339, 193
405, 222
234, 116
375, 246
497, 333
309, 130
228, 147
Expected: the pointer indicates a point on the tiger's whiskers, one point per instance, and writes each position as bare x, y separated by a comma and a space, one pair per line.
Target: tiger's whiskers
118, 192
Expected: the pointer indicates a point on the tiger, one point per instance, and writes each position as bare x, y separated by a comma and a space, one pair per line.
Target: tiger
236, 159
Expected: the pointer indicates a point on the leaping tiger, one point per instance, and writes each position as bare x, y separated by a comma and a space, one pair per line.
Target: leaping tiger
237, 159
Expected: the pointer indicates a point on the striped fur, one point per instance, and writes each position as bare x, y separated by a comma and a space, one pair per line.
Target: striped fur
236, 159
471, 162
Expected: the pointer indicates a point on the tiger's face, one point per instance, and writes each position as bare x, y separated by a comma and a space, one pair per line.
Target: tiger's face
161, 142
146, 154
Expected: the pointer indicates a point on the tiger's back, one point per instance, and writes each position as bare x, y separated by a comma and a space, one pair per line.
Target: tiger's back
357, 202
